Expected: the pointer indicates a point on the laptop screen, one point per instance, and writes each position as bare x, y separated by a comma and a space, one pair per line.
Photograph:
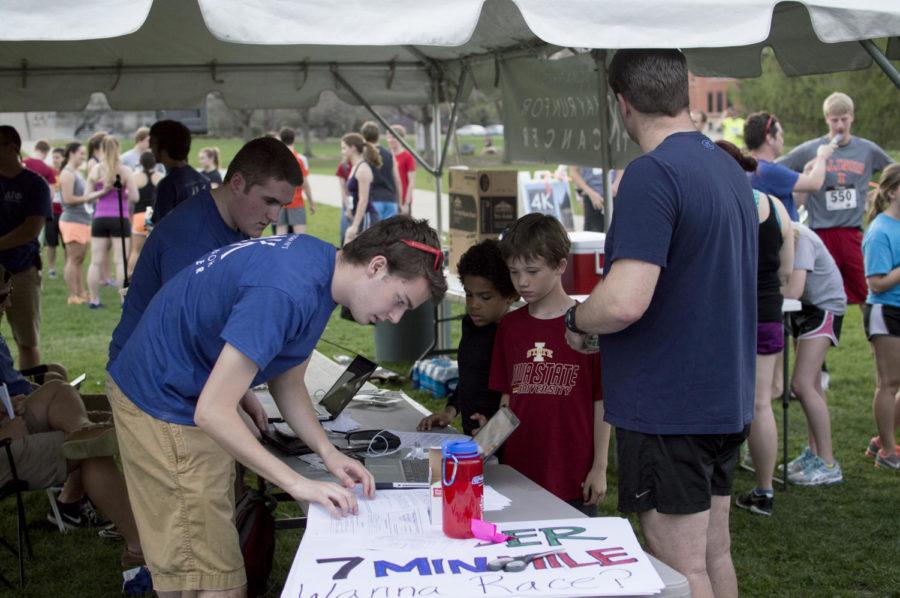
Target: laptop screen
347, 385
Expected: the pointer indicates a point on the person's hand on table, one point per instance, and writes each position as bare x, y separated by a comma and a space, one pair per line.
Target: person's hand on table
254, 409
339, 501
435, 420
594, 488
349, 471
481, 421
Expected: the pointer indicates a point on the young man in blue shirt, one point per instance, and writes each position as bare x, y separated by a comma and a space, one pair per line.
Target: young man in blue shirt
241, 315
170, 142
678, 389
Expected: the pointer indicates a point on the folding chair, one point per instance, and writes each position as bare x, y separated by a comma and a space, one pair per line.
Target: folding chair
16, 487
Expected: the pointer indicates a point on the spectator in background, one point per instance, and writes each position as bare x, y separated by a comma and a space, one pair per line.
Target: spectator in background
733, 127
764, 137
146, 179
75, 221
37, 163
385, 188
208, 158
881, 314
111, 217
343, 174
589, 187
56, 160
132, 158
94, 150
699, 118
292, 218
836, 211
24, 208
170, 142
365, 160
406, 169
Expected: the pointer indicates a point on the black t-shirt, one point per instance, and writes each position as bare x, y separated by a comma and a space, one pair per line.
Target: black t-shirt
383, 188
472, 394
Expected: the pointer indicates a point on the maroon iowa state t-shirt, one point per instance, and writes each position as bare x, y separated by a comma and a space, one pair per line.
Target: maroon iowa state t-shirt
552, 390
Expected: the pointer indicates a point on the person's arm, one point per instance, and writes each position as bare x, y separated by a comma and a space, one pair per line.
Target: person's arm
620, 299
29, 230
410, 186
786, 253
594, 488
580, 184
67, 191
345, 198
812, 181
397, 185
216, 415
130, 184
616, 179
294, 404
796, 284
307, 191
364, 180
884, 282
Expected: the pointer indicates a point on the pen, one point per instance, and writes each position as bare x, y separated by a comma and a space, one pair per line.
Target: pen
400, 485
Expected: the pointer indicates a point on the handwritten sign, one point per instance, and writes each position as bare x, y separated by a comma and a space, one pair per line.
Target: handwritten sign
597, 556
552, 112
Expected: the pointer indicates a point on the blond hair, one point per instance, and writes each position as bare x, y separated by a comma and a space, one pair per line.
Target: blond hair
890, 180
110, 160
837, 103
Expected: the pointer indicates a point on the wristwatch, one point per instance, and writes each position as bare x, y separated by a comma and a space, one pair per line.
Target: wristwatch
570, 320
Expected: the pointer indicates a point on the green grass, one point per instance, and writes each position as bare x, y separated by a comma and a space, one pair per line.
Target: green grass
839, 541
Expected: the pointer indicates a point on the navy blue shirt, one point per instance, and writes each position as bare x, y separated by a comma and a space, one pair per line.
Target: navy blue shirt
195, 229
777, 180
16, 384
687, 366
22, 196
179, 184
269, 298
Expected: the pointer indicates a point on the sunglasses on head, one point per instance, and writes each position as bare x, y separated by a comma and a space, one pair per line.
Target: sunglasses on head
769, 125
437, 253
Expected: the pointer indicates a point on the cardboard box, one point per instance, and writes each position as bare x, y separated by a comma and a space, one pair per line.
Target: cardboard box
483, 203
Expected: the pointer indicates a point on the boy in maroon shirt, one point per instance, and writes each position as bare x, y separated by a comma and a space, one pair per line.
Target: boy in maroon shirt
562, 441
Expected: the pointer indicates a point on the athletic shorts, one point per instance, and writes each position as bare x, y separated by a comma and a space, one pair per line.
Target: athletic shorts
139, 224
181, 488
812, 322
292, 217
675, 474
845, 246
107, 227
51, 232
24, 311
769, 338
75, 232
881, 320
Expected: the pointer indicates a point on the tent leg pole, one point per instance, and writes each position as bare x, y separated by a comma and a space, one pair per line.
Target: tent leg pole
605, 149
442, 340
451, 124
881, 60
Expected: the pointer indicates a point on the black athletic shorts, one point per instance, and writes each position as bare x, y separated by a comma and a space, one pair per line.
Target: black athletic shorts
881, 320
812, 322
110, 226
673, 474
51, 232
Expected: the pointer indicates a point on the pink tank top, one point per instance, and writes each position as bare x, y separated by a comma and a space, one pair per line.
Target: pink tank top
107, 205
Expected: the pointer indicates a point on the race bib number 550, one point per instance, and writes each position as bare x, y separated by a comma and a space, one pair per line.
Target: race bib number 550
840, 199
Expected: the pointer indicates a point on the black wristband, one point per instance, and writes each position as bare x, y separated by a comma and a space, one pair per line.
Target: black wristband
570, 320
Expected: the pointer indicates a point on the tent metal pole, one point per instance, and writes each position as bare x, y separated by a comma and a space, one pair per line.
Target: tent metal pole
881, 60
451, 124
606, 147
365, 104
442, 340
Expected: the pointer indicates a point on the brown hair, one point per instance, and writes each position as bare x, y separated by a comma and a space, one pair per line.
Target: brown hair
386, 238
172, 136
748, 163
890, 179
262, 159
758, 127
11, 135
653, 81
213, 153
369, 152
536, 236
370, 131
93, 143
141, 134
41, 145
400, 130
287, 135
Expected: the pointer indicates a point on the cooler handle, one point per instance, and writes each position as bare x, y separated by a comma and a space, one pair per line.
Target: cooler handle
597, 267
444, 473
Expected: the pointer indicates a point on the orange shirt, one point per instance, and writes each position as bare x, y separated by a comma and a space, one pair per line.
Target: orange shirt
297, 202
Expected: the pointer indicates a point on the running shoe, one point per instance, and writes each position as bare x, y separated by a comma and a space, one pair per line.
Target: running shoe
883, 461
799, 462
874, 446
761, 504
817, 473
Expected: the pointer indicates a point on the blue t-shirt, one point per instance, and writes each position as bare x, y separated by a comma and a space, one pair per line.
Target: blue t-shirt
180, 184
196, 229
687, 366
269, 298
24, 195
15, 382
777, 180
881, 252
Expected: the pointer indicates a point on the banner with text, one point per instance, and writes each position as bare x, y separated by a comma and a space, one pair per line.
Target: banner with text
551, 113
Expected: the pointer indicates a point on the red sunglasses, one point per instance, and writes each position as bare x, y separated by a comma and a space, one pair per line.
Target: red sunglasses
437, 253
769, 125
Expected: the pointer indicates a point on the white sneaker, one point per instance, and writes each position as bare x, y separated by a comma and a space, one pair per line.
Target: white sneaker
817, 473
799, 462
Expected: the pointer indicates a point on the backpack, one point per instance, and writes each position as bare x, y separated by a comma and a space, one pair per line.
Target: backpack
255, 523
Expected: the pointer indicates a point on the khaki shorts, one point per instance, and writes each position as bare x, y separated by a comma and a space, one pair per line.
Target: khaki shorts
24, 313
38, 460
181, 489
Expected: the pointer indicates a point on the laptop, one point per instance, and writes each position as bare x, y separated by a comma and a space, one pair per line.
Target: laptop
344, 389
414, 473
